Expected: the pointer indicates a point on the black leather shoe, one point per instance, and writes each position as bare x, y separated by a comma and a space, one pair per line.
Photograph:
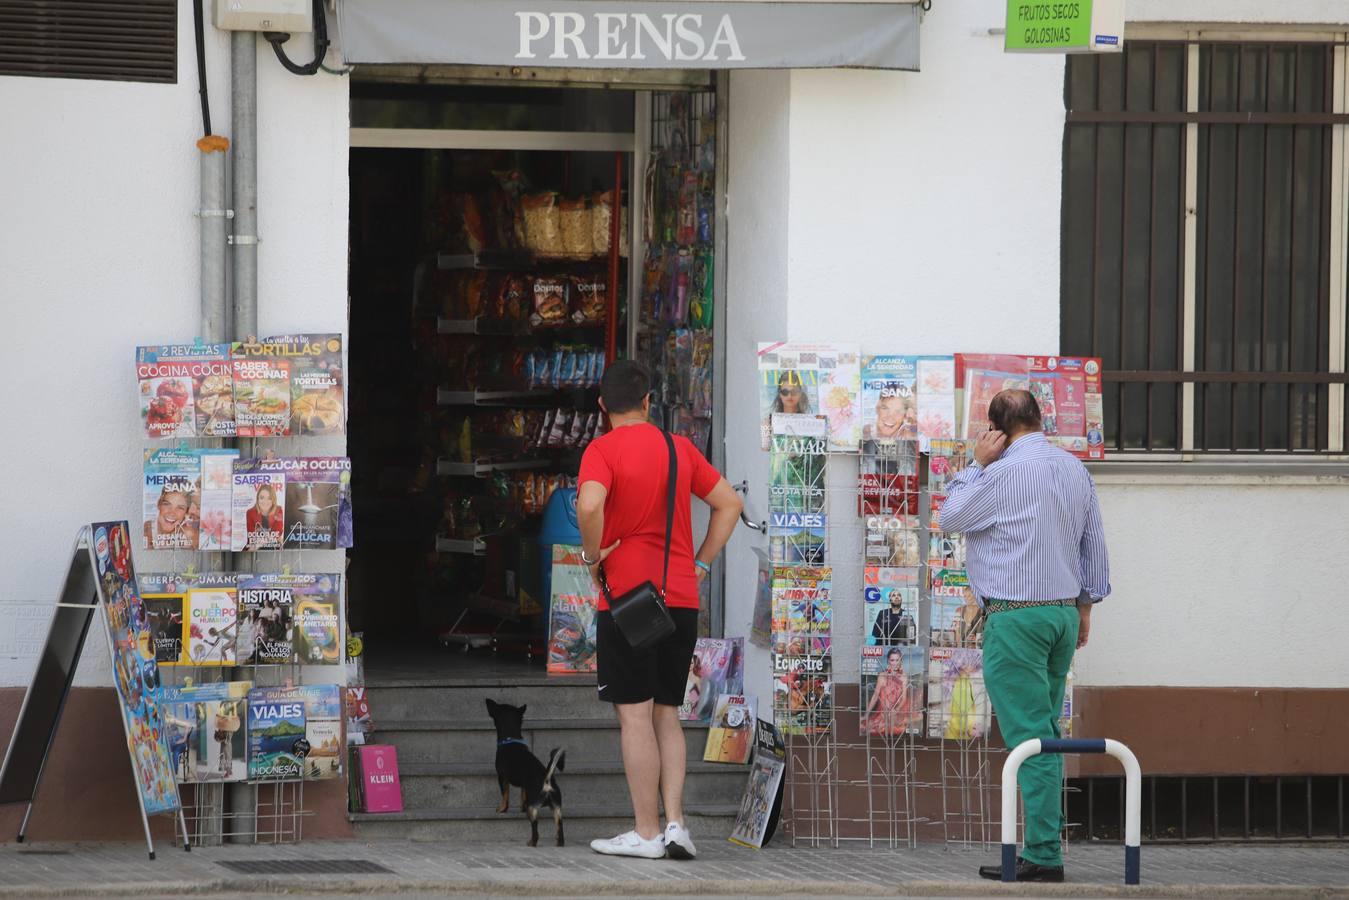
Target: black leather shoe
1025, 871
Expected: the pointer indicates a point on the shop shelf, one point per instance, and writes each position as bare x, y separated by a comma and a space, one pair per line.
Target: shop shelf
486, 259
484, 467
469, 547
482, 325
490, 398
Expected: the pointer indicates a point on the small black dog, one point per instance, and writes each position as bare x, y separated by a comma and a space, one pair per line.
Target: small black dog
516, 765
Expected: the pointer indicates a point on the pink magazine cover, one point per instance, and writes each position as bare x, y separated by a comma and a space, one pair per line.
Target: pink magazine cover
380, 787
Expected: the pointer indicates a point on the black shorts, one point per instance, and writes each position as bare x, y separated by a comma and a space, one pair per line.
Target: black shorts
660, 673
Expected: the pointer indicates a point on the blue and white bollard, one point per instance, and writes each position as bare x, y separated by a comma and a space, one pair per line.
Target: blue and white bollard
1133, 795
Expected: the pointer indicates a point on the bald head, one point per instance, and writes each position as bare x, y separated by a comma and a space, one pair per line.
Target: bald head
1014, 412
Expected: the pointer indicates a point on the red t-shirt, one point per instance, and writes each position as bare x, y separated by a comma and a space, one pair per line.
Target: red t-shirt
630, 462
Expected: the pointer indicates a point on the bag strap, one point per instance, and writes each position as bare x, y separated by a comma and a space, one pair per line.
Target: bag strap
672, 479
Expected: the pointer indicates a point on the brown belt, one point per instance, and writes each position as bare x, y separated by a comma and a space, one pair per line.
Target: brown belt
991, 606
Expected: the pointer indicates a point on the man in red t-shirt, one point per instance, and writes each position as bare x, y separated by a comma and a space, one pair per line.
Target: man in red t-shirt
620, 506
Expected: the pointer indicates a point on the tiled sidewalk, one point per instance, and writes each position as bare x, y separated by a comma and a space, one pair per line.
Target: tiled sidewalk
111, 869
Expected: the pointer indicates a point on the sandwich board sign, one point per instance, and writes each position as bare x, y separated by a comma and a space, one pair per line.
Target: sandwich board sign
100, 583
1071, 26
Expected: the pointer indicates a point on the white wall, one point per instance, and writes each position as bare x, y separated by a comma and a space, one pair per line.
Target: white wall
923, 216
1293, 12
99, 253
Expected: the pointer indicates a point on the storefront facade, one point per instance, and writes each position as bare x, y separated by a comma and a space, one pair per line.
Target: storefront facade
910, 212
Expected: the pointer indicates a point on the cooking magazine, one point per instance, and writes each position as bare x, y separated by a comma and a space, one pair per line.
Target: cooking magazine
318, 405
262, 393
186, 390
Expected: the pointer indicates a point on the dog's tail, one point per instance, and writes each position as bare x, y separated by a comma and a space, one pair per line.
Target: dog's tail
557, 762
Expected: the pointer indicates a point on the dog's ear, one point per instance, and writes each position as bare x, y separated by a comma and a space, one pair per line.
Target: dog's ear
522, 710
491, 707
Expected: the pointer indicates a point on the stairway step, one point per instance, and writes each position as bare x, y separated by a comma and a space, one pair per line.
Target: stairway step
564, 699
483, 825
452, 741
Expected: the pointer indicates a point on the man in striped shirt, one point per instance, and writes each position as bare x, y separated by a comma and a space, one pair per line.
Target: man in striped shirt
1036, 558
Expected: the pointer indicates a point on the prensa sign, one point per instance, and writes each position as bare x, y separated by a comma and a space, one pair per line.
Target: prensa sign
639, 34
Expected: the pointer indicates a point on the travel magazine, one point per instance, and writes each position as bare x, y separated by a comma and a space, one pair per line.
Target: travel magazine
205, 729
798, 538
295, 733
797, 467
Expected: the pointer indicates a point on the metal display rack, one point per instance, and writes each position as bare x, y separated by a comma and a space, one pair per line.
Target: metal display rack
889, 776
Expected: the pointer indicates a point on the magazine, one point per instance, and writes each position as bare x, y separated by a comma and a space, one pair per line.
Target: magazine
892, 541
717, 667
812, 379
318, 405
266, 621
887, 479
936, 377
946, 459
890, 614
802, 610
171, 494
731, 737
359, 723
797, 473
185, 390
317, 627
891, 690
761, 804
956, 617
325, 714
205, 728
958, 707
761, 627
258, 506
261, 391
798, 539
572, 608
214, 520
1068, 391
164, 601
945, 551
1066, 712
803, 693
981, 376
317, 510
889, 398
211, 632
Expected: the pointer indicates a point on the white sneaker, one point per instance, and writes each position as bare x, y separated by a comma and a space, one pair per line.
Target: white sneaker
678, 844
630, 844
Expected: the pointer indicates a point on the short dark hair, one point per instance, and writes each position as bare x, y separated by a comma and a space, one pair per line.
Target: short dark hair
624, 386
1014, 410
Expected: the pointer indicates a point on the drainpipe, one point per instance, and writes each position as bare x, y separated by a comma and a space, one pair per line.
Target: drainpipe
244, 119
213, 214
244, 123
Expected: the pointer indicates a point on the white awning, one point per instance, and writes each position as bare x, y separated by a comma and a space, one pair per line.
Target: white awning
631, 34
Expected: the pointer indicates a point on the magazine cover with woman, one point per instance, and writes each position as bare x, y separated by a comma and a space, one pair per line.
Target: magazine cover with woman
717, 668
812, 379
958, 707
892, 690
957, 618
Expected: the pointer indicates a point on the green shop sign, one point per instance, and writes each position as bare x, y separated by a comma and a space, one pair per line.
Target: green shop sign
1072, 26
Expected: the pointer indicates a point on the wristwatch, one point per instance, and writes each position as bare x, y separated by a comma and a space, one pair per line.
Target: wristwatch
587, 560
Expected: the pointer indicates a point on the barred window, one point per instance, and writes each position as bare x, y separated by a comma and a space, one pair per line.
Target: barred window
1220, 321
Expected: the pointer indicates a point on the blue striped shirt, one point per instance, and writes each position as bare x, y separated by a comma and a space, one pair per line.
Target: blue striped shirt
1032, 525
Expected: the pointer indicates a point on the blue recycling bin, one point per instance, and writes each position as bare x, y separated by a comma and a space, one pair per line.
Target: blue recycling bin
559, 527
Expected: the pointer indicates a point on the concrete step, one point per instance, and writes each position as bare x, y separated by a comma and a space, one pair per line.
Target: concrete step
440, 786
483, 825
461, 741
566, 697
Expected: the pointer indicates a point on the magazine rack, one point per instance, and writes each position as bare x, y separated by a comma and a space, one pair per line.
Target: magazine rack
889, 776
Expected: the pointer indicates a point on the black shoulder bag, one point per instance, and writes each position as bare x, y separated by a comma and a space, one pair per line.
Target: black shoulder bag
641, 614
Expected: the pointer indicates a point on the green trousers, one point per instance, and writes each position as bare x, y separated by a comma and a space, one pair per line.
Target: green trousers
1027, 653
